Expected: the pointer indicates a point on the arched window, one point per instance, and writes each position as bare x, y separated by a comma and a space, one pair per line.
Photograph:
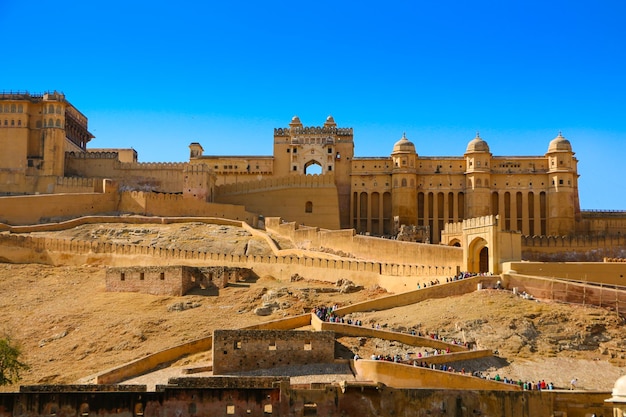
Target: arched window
58, 123
58, 109
19, 123
313, 168
13, 108
308, 207
51, 109
45, 124
50, 122
20, 108
404, 182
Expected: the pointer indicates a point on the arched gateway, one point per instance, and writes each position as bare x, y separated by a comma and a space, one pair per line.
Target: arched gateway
485, 245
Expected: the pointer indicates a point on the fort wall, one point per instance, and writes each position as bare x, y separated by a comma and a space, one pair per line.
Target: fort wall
158, 204
610, 273
444, 290
162, 177
407, 376
32, 209
153, 361
244, 350
579, 248
444, 260
265, 396
268, 184
43, 208
52, 251
303, 198
568, 292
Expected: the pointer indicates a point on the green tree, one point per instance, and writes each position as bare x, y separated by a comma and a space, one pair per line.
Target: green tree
10, 364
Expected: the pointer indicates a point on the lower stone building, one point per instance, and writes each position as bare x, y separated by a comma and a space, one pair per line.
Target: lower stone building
172, 280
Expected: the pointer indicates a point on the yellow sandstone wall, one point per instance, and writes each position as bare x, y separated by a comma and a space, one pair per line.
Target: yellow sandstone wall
613, 273
445, 260
43, 208
408, 376
287, 197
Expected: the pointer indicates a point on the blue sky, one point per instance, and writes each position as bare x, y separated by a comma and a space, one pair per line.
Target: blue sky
156, 76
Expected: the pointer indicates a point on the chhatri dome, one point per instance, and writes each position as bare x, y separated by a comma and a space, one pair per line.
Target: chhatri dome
295, 121
559, 144
619, 391
330, 121
477, 145
403, 145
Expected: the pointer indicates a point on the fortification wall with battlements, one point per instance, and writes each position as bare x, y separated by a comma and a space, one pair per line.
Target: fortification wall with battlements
347, 242
588, 248
393, 276
299, 198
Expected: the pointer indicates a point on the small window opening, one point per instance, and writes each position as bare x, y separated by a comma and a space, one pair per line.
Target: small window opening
238, 344
308, 208
162, 276
122, 276
310, 409
307, 345
230, 409
141, 276
272, 345
267, 409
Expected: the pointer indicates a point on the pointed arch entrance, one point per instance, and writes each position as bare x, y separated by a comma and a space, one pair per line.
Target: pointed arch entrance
313, 168
478, 256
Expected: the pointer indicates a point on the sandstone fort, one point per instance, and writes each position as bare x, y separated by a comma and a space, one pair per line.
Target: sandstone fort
404, 222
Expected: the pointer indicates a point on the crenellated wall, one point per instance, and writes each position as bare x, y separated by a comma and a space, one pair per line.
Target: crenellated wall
77, 185
162, 177
579, 248
440, 260
29, 249
290, 181
33, 209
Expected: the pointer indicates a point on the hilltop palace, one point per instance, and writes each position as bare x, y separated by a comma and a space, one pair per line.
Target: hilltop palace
402, 222
44, 151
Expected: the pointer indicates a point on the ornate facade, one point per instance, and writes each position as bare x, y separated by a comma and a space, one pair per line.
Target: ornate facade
536, 195
44, 140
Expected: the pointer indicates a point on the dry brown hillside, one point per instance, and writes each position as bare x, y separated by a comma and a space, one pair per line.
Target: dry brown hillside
69, 328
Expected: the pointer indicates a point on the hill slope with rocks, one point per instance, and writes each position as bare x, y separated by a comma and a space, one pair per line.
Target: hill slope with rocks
69, 327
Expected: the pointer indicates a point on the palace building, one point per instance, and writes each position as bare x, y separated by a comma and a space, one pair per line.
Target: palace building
44, 141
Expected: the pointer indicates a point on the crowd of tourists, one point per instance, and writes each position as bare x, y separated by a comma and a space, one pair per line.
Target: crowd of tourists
525, 385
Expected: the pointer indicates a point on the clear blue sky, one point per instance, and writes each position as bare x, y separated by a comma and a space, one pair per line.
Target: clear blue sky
157, 75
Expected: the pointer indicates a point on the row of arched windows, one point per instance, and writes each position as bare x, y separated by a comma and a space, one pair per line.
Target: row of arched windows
11, 122
50, 123
52, 109
12, 108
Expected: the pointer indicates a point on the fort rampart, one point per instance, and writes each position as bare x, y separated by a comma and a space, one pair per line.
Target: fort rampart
162, 177
444, 290
244, 350
445, 259
274, 396
289, 181
609, 273
33, 209
590, 248
304, 199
